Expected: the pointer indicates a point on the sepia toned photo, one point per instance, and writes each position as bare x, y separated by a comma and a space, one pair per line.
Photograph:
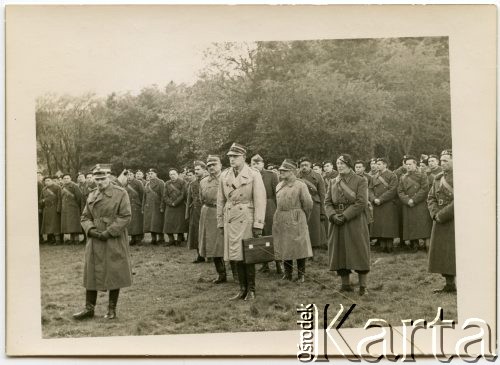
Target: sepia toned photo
265, 185
344, 151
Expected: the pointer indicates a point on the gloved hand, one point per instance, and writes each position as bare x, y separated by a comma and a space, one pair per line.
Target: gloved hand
257, 232
94, 233
338, 219
105, 236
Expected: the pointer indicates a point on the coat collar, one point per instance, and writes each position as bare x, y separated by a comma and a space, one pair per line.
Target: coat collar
242, 178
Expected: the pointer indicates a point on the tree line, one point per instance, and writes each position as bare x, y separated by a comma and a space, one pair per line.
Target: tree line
368, 97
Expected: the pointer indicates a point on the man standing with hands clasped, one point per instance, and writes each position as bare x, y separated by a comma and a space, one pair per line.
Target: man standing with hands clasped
241, 209
107, 261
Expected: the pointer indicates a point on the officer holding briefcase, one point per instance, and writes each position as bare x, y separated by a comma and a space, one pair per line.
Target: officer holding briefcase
241, 209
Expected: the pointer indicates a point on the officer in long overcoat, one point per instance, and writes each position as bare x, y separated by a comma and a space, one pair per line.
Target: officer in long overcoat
211, 238
349, 241
135, 191
441, 208
316, 186
50, 202
71, 209
290, 230
173, 205
413, 191
383, 193
241, 210
151, 207
270, 180
193, 208
107, 266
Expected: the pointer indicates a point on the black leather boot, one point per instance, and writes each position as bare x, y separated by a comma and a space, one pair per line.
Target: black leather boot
221, 270
250, 270
288, 270
242, 278
301, 268
234, 270
113, 301
279, 269
88, 311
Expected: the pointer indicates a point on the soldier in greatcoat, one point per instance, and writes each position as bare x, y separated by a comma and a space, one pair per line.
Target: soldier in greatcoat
434, 168
151, 207
80, 180
174, 207
107, 261
139, 176
71, 209
373, 167
316, 186
413, 190
383, 193
211, 238
270, 180
241, 210
290, 230
135, 191
359, 169
193, 208
349, 241
328, 172
50, 202
441, 208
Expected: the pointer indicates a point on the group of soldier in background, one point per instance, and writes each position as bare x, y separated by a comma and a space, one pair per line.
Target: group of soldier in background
303, 206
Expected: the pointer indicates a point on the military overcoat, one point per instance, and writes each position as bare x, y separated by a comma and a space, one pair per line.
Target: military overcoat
441, 205
210, 238
316, 186
107, 263
174, 206
151, 205
385, 216
51, 204
241, 206
135, 191
72, 203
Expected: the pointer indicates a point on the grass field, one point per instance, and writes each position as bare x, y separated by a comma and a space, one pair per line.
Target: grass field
170, 295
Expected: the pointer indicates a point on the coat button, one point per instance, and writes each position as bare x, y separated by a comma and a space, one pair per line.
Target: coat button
241, 221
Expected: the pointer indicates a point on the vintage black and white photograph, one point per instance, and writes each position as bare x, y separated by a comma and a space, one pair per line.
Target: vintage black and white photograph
156, 204
195, 181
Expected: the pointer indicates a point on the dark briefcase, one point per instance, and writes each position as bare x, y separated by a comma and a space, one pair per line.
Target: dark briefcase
258, 250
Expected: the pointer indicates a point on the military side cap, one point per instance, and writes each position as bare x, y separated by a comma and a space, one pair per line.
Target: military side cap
288, 165
447, 152
237, 150
257, 158
212, 160
100, 172
199, 163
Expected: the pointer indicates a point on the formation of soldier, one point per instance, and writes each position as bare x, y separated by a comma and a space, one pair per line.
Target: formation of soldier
304, 206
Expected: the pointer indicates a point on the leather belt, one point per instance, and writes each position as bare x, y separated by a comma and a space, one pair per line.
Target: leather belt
210, 205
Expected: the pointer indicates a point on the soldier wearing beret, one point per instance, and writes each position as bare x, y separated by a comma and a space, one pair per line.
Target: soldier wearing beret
211, 238
107, 261
359, 169
173, 205
139, 176
349, 241
270, 180
373, 167
193, 208
241, 210
441, 208
316, 186
434, 168
383, 194
328, 172
413, 190
151, 207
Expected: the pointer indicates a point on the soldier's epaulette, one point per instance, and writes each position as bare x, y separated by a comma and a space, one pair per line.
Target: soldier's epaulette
118, 187
254, 169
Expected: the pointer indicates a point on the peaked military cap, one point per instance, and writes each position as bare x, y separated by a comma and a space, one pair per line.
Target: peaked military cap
257, 158
447, 152
212, 160
99, 172
288, 165
237, 150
